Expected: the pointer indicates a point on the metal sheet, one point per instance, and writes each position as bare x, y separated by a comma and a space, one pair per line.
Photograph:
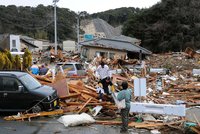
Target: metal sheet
165, 109
140, 87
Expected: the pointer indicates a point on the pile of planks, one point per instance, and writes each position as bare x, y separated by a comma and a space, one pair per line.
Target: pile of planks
82, 98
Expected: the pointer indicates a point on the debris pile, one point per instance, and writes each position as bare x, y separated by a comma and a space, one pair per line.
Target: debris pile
170, 80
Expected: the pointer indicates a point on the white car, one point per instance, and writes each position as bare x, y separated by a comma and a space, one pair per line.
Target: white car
74, 68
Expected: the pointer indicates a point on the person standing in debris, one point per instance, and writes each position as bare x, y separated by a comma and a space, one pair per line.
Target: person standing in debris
125, 93
44, 69
103, 71
35, 68
106, 83
100, 91
103, 87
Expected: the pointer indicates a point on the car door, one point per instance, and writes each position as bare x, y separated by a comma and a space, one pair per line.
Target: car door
80, 70
70, 69
12, 98
9, 91
2, 101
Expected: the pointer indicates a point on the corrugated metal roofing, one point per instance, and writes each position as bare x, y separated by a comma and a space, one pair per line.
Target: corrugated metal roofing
116, 44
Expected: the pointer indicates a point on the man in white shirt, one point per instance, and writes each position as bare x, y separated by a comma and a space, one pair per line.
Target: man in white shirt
103, 71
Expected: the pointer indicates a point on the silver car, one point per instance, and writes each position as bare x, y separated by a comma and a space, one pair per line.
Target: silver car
74, 68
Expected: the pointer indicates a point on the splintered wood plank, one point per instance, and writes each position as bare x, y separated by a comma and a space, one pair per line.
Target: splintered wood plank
28, 116
90, 94
71, 88
89, 104
76, 90
71, 108
195, 130
84, 105
90, 88
148, 124
108, 122
193, 97
76, 77
70, 96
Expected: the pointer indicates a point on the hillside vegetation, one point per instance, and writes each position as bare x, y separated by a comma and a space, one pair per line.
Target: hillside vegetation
37, 22
171, 25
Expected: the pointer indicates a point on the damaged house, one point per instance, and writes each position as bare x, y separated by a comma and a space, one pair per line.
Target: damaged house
110, 47
15, 43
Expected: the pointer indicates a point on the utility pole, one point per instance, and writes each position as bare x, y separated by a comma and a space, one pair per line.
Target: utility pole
78, 31
78, 28
55, 26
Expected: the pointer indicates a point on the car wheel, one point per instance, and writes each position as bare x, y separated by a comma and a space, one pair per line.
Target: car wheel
37, 108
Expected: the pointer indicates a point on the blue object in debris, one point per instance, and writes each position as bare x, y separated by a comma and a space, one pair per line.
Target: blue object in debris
190, 124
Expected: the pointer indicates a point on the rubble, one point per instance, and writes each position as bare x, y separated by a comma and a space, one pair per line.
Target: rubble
177, 86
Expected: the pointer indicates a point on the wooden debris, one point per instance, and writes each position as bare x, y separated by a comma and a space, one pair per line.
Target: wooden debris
32, 115
195, 129
84, 105
70, 96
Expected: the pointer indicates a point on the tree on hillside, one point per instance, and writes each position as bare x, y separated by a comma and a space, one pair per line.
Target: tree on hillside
171, 25
38, 22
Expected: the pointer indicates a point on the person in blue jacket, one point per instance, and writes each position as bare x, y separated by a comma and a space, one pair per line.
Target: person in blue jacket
34, 68
125, 93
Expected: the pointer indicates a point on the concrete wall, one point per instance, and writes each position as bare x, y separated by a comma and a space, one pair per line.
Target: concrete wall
30, 48
69, 45
39, 44
91, 53
15, 42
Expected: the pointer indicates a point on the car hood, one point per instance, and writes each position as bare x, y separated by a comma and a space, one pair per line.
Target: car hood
44, 90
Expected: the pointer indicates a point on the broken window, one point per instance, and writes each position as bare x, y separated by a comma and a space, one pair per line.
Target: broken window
111, 55
85, 52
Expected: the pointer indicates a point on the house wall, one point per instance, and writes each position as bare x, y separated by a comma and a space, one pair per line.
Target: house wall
39, 44
30, 48
109, 53
15, 42
69, 45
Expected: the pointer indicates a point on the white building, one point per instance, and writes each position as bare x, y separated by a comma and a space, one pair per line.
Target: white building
69, 45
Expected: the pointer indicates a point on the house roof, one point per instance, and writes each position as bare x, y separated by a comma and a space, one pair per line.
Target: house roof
127, 38
28, 40
115, 44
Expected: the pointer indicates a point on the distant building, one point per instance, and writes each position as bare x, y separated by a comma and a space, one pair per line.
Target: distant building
110, 47
69, 45
10, 42
15, 43
27, 42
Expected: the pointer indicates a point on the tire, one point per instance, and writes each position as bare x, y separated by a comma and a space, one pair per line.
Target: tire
37, 108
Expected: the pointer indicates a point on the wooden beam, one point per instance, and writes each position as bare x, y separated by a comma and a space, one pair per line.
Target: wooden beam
31, 115
70, 96
84, 105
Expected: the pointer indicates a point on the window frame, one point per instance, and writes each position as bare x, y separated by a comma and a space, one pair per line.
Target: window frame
3, 86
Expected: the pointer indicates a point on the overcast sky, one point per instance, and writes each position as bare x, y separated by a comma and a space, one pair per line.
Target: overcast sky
91, 6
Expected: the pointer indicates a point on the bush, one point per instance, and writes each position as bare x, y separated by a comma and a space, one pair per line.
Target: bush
27, 59
2, 61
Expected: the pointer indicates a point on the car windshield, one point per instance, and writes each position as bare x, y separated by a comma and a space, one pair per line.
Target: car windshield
69, 67
30, 82
79, 67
